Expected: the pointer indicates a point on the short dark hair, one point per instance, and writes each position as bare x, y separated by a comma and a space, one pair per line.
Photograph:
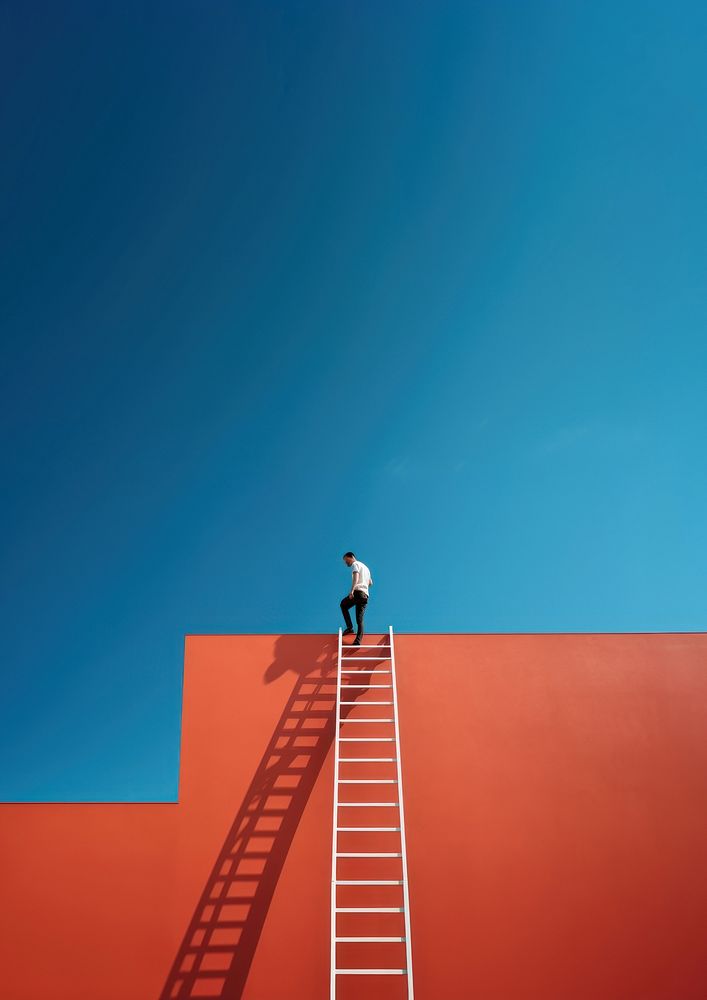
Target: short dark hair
348, 555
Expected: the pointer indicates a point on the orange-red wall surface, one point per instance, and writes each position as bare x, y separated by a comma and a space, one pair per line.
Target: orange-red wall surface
556, 810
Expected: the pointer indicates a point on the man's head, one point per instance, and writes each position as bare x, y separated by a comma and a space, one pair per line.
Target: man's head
349, 557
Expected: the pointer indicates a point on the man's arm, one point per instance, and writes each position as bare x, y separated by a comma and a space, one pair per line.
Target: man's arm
354, 581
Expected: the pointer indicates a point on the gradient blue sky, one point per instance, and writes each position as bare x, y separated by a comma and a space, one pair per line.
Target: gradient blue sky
282, 279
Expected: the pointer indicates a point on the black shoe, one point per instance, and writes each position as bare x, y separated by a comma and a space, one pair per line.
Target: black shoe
357, 641
347, 631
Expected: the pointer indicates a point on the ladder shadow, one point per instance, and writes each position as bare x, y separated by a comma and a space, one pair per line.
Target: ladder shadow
218, 947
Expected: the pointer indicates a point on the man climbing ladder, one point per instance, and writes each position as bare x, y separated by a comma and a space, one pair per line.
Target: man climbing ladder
361, 580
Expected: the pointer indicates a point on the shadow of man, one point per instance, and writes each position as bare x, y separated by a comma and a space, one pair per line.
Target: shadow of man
217, 950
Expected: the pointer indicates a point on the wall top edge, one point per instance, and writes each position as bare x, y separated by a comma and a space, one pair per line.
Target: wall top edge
206, 635
89, 802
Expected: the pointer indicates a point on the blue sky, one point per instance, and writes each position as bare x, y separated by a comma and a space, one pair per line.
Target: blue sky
422, 280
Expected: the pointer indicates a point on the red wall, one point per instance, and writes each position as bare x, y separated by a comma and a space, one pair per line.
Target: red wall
556, 813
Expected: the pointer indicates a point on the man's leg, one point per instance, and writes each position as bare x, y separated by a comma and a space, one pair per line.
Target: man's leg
361, 602
348, 602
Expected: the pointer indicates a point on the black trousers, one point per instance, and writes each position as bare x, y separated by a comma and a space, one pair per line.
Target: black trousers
360, 600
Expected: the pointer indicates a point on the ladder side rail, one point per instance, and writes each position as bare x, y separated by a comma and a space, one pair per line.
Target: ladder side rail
403, 843
335, 824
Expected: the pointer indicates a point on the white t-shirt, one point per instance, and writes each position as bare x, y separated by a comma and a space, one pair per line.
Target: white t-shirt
364, 576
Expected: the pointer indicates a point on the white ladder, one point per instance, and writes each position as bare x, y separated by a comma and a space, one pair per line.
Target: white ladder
347, 654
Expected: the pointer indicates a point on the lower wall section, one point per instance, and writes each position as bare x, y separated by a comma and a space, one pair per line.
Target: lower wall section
556, 816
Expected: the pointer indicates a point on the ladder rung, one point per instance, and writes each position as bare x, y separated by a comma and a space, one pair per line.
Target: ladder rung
366, 760
348, 687
370, 909
366, 658
364, 645
368, 781
369, 881
368, 829
376, 672
368, 854
365, 702
368, 805
370, 972
355, 940
367, 739
347, 721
